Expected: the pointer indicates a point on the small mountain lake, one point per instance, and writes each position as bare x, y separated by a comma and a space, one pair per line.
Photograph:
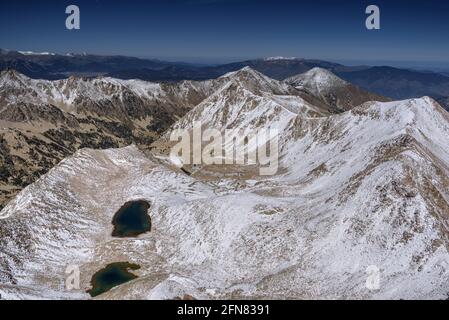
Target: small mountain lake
111, 276
132, 219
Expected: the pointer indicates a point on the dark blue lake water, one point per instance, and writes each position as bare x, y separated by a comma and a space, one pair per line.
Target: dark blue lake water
111, 276
132, 219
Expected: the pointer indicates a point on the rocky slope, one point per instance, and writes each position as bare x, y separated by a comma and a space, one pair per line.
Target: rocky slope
41, 121
362, 189
247, 103
44, 121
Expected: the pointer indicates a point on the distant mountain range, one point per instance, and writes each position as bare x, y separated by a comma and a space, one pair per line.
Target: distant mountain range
386, 81
54, 66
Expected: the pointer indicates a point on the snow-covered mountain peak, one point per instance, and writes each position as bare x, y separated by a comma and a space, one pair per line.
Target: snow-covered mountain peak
245, 71
11, 75
334, 91
256, 81
319, 77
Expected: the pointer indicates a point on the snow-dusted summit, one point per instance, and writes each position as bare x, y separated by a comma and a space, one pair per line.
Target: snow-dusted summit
336, 92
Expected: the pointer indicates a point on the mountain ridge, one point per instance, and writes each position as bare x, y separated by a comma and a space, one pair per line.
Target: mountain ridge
354, 201
386, 81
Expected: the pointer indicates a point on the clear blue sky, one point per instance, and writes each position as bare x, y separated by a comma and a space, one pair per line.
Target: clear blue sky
219, 30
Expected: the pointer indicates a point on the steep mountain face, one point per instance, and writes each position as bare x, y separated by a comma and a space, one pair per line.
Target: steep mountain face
104, 96
250, 100
42, 122
365, 189
331, 89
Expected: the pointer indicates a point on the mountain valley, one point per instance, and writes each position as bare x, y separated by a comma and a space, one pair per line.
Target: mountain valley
362, 184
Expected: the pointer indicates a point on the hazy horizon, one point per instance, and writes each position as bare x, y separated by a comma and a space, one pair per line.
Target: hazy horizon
217, 31
210, 61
